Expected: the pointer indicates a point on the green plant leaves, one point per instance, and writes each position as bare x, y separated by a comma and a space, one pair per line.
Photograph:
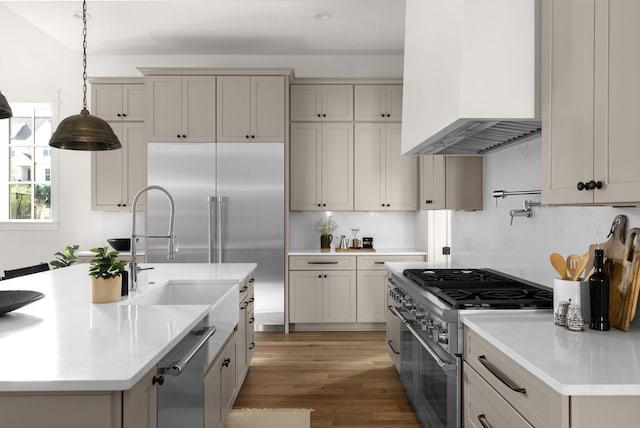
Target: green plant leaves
105, 264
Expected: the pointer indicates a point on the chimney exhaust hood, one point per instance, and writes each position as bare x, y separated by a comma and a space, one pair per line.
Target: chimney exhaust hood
470, 76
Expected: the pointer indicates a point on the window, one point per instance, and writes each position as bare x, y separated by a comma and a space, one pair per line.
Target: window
25, 191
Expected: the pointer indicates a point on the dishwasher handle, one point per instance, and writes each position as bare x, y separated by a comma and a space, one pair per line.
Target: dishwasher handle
175, 368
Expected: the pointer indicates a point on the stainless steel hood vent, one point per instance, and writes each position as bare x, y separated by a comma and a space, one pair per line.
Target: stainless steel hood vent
477, 136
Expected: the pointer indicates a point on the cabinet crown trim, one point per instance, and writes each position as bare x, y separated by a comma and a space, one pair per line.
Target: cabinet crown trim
171, 71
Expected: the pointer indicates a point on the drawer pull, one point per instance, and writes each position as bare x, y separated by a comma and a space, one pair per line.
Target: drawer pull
322, 263
392, 348
378, 263
245, 288
483, 421
501, 376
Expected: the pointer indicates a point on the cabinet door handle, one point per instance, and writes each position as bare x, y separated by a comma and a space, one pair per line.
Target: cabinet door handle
484, 422
178, 135
252, 320
378, 263
253, 345
244, 306
252, 280
251, 300
118, 114
226, 362
501, 376
388, 115
322, 263
245, 288
157, 380
124, 114
392, 348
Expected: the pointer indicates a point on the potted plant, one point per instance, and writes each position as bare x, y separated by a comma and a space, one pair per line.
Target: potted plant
326, 226
65, 258
105, 271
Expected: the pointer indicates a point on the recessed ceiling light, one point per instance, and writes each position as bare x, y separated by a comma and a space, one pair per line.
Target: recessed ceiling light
322, 16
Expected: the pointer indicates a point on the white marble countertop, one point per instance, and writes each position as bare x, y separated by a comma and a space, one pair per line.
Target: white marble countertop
572, 363
377, 252
64, 342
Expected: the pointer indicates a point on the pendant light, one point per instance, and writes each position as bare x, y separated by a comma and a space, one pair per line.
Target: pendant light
5, 108
83, 131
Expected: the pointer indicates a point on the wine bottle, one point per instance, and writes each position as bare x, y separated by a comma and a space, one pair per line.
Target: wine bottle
599, 293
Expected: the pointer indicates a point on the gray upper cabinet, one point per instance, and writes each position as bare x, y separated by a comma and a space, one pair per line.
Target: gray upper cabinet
451, 182
378, 103
590, 67
321, 103
119, 102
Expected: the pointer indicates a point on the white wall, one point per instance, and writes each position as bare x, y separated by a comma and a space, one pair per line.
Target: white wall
33, 66
485, 238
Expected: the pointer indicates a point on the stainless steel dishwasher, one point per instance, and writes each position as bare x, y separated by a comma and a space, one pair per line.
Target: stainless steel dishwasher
180, 391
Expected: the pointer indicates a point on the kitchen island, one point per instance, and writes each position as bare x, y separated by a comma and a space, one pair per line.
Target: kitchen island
589, 378
66, 351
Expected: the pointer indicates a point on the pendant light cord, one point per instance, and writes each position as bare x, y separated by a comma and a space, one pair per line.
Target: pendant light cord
84, 54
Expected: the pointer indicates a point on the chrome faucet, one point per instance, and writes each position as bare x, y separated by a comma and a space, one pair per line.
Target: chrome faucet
133, 265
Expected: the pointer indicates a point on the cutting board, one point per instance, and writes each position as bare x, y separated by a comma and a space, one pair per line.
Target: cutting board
614, 248
623, 289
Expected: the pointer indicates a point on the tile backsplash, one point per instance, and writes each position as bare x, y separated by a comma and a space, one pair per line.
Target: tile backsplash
389, 229
485, 238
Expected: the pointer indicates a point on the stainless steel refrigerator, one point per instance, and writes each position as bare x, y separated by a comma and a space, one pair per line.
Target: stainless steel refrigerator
229, 201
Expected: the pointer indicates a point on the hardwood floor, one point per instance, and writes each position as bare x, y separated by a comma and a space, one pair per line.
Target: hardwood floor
346, 377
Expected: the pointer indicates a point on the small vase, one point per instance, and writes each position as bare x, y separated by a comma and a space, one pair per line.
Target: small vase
106, 290
325, 242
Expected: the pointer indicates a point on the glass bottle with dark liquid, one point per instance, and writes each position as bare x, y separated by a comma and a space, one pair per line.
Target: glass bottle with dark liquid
599, 293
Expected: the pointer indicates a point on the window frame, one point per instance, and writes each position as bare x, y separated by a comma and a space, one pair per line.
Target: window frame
53, 223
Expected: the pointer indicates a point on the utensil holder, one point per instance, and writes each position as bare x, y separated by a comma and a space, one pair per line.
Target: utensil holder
577, 291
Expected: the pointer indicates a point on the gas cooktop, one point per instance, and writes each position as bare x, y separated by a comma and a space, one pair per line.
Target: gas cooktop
480, 288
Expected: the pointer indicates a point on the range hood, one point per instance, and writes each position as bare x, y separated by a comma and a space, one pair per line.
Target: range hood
470, 76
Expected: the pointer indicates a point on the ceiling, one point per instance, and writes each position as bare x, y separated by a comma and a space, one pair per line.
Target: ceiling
222, 27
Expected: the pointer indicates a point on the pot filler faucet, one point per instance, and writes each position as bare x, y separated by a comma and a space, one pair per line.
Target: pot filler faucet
133, 265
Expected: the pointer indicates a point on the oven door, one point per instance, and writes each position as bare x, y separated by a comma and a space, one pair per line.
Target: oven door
431, 378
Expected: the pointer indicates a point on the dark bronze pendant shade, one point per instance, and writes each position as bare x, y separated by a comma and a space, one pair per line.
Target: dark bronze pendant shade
83, 131
5, 109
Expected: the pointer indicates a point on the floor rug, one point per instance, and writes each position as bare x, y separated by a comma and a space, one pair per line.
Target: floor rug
269, 418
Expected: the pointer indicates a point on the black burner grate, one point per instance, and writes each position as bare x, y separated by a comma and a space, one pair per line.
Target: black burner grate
478, 288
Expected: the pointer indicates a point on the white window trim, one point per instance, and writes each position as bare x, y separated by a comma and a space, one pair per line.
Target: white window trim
53, 224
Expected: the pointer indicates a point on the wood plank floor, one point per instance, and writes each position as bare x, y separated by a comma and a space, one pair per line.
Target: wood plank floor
346, 377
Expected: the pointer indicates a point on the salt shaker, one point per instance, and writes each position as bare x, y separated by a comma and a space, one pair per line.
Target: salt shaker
574, 318
560, 316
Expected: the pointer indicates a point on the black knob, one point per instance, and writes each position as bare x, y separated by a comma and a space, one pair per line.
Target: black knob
388, 115
157, 380
581, 186
428, 201
225, 362
184, 136
388, 205
382, 115
319, 275
178, 135
124, 114
124, 205
382, 205
253, 136
319, 205
324, 205
119, 115
246, 136
324, 115
119, 205
319, 115
592, 185
325, 275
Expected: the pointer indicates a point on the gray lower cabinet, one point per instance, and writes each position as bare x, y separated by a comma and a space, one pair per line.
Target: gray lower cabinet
220, 386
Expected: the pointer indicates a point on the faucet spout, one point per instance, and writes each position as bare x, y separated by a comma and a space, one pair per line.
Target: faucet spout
133, 265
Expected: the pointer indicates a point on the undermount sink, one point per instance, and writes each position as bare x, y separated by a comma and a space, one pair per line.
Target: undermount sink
183, 293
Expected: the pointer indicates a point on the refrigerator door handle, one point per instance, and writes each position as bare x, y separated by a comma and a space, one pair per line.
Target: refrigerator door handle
211, 201
219, 224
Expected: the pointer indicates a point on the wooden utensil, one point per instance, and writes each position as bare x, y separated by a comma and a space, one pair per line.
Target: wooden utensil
576, 264
558, 263
624, 289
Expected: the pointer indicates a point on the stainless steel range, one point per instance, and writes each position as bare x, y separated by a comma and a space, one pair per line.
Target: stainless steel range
428, 303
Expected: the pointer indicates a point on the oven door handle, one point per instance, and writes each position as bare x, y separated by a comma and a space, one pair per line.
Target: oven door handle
175, 368
441, 363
